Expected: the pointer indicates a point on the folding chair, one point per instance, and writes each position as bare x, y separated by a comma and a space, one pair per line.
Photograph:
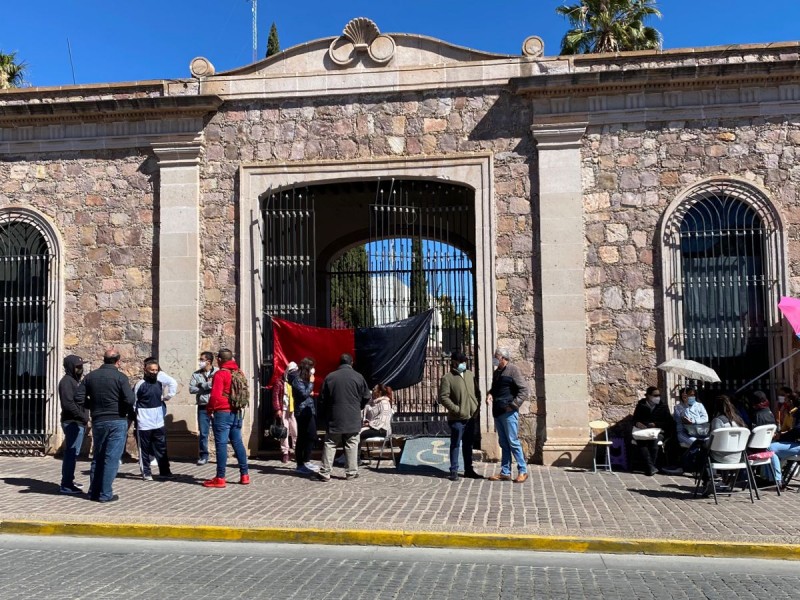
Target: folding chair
368, 444
733, 441
600, 429
759, 454
790, 470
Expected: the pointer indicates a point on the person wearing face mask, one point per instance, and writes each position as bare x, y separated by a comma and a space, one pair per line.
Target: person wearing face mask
691, 418
783, 409
651, 413
509, 391
459, 395
151, 432
74, 420
200, 386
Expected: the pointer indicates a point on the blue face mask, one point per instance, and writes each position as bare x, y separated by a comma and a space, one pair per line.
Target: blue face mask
691, 400
462, 367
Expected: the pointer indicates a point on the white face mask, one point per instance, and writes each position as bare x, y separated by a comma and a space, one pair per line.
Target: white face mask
313, 370
202, 364
781, 399
654, 399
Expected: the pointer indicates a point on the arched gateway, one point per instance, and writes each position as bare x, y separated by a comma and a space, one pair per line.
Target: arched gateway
397, 238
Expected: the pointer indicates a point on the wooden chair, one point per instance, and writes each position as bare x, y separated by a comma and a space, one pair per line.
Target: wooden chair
598, 437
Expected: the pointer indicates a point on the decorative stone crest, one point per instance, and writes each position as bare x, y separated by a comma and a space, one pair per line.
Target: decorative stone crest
361, 35
201, 67
533, 46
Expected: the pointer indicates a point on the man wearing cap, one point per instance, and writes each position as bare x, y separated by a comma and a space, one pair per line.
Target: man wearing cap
508, 392
74, 420
458, 394
107, 393
200, 387
283, 406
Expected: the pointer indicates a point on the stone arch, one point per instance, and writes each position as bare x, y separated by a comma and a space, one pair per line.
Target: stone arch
44, 434
757, 219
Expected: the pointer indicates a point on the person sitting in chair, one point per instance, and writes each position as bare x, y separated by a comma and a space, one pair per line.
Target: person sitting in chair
691, 418
725, 416
377, 415
650, 413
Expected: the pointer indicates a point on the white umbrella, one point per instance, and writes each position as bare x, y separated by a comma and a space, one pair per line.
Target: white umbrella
689, 369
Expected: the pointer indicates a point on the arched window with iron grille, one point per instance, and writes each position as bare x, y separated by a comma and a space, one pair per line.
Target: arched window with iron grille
29, 286
723, 278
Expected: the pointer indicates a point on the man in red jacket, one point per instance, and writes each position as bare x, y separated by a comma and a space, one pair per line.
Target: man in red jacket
226, 424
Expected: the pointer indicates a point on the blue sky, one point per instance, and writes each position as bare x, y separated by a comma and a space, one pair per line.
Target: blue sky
127, 41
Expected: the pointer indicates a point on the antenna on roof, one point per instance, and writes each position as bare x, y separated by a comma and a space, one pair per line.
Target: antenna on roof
71, 66
255, 29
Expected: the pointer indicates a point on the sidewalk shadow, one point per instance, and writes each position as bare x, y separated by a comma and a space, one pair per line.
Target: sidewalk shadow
678, 492
35, 486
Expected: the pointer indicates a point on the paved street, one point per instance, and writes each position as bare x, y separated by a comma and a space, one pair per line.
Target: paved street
552, 502
37, 567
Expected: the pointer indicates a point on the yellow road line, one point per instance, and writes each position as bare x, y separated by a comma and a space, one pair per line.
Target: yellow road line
429, 539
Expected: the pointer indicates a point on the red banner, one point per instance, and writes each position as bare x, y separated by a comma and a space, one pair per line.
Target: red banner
294, 342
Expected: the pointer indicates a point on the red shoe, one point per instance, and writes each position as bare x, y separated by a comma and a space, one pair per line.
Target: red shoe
245, 480
216, 482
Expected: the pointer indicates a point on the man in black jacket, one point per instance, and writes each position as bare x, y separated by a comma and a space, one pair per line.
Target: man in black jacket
509, 391
107, 393
651, 413
74, 419
344, 395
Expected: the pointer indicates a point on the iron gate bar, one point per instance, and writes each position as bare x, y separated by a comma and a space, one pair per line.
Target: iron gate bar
724, 280
28, 409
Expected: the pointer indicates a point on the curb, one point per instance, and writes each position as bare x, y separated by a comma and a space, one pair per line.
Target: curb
406, 539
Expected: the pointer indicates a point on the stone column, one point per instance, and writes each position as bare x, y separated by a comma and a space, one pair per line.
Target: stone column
563, 304
178, 333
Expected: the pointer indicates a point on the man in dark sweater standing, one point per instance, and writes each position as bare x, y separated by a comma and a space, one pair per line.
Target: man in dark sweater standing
508, 392
344, 394
107, 393
458, 394
74, 419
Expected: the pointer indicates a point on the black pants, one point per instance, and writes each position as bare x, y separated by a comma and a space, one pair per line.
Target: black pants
462, 433
153, 443
649, 452
306, 434
370, 433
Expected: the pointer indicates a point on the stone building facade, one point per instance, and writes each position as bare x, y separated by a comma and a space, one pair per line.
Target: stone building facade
579, 171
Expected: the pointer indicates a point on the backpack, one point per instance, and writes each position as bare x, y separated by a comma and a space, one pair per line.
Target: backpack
239, 396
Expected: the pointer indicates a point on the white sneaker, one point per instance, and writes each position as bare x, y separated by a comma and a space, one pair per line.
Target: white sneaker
312, 467
153, 463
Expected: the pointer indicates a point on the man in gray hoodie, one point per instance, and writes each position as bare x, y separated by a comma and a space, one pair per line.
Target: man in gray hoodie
74, 420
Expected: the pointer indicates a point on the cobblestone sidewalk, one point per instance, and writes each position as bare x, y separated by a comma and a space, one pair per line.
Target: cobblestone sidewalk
552, 502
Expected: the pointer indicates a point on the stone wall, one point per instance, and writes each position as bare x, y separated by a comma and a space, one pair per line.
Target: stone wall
630, 175
102, 207
405, 125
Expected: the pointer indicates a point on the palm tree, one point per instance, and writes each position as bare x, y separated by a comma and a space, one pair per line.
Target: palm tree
12, 73
609, 26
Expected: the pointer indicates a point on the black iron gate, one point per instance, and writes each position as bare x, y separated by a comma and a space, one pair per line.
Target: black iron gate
418, 255
26, 319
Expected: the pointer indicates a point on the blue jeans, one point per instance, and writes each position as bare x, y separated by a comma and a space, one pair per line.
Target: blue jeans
782, 450
203, 423
108, 445
507, 426
228, 427
73, 441
462, 433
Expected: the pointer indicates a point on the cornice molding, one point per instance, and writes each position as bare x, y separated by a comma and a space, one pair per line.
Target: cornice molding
113, 124
558, 136
656, 79
174, 152
131, 109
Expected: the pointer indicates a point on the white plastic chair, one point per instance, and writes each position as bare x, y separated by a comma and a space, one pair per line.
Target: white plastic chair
383, 441
600, 429
760, 439
733, 441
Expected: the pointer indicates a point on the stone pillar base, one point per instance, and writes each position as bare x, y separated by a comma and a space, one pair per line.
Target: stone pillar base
490, 446
567, 452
